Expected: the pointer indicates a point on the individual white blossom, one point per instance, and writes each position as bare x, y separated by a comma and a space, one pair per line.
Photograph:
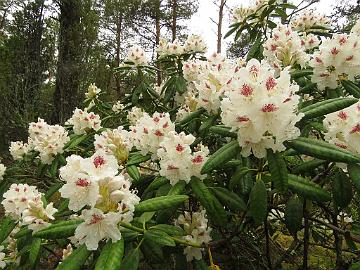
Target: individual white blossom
338, 58
136, 55
17, 198
2, 257
192, 69
343, 128
196, 227
310, 41
134, 115
195, 43
177, 160
118, 107
261, 108
19, 149
36, 216
2, 171
150, 131
166, 48
48, 140
83, 121
116, 142
96, 227
92, 92
284, 48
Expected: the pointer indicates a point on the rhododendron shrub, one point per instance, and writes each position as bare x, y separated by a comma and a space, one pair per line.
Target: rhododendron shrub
213, 157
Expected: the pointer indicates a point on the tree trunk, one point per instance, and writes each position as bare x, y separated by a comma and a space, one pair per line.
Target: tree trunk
174, 19
118, 43
68, 66
219, 24
157, 35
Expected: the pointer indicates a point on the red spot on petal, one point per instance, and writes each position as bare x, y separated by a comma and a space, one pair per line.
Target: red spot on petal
99, 161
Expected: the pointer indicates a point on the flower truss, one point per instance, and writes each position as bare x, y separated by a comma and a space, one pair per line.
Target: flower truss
261, 108
196, 227
83, 121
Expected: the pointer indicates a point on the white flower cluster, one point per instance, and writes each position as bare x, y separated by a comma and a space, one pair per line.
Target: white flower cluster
118, 107
261, 108
240, 14
115, 142
308, 19
150, 131
285, 48
23, 203
310, 41
83, 121
177, 160
19, 149
193, 44
343, 128
134, 115
196, 227
94, 182
2, 171
136, 56
48, 140
338, 58
92, 92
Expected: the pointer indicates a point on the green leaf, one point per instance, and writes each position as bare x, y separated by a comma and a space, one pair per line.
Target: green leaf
278, 170
351, 88
258, 202
308, 189
355, 266
111, 256
293, 215
341, 189
327, 106
76, 259
58, 230
229, 199
159, 203
145, 217
158, 182
301, 73
137, 158
7, 225
52, 190
159, 237
133, 172
322, 150
34, 251
221, 156
192, 116
308, 166
223, 131
131, 261
169, 229
208, 201
254, 49
354, 173
75, 141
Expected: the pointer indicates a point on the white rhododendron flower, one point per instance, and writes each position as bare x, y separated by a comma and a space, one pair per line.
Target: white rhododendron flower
307, 19
343, 128
92, 92
19, 149
2, 171
309, 41
2, 256
134, 115
17, 198
195, 43
36, 216
48, 140
338, 58
261, 108
84, 121
196, 227
356, 28
284, 48
118, 107
96, 227
136, 55
116, 142
150, 131
192, 69
177, 160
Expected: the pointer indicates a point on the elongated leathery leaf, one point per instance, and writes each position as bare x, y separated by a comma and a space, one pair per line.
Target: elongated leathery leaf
76, 259
159, 203
278, 170
111, 256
